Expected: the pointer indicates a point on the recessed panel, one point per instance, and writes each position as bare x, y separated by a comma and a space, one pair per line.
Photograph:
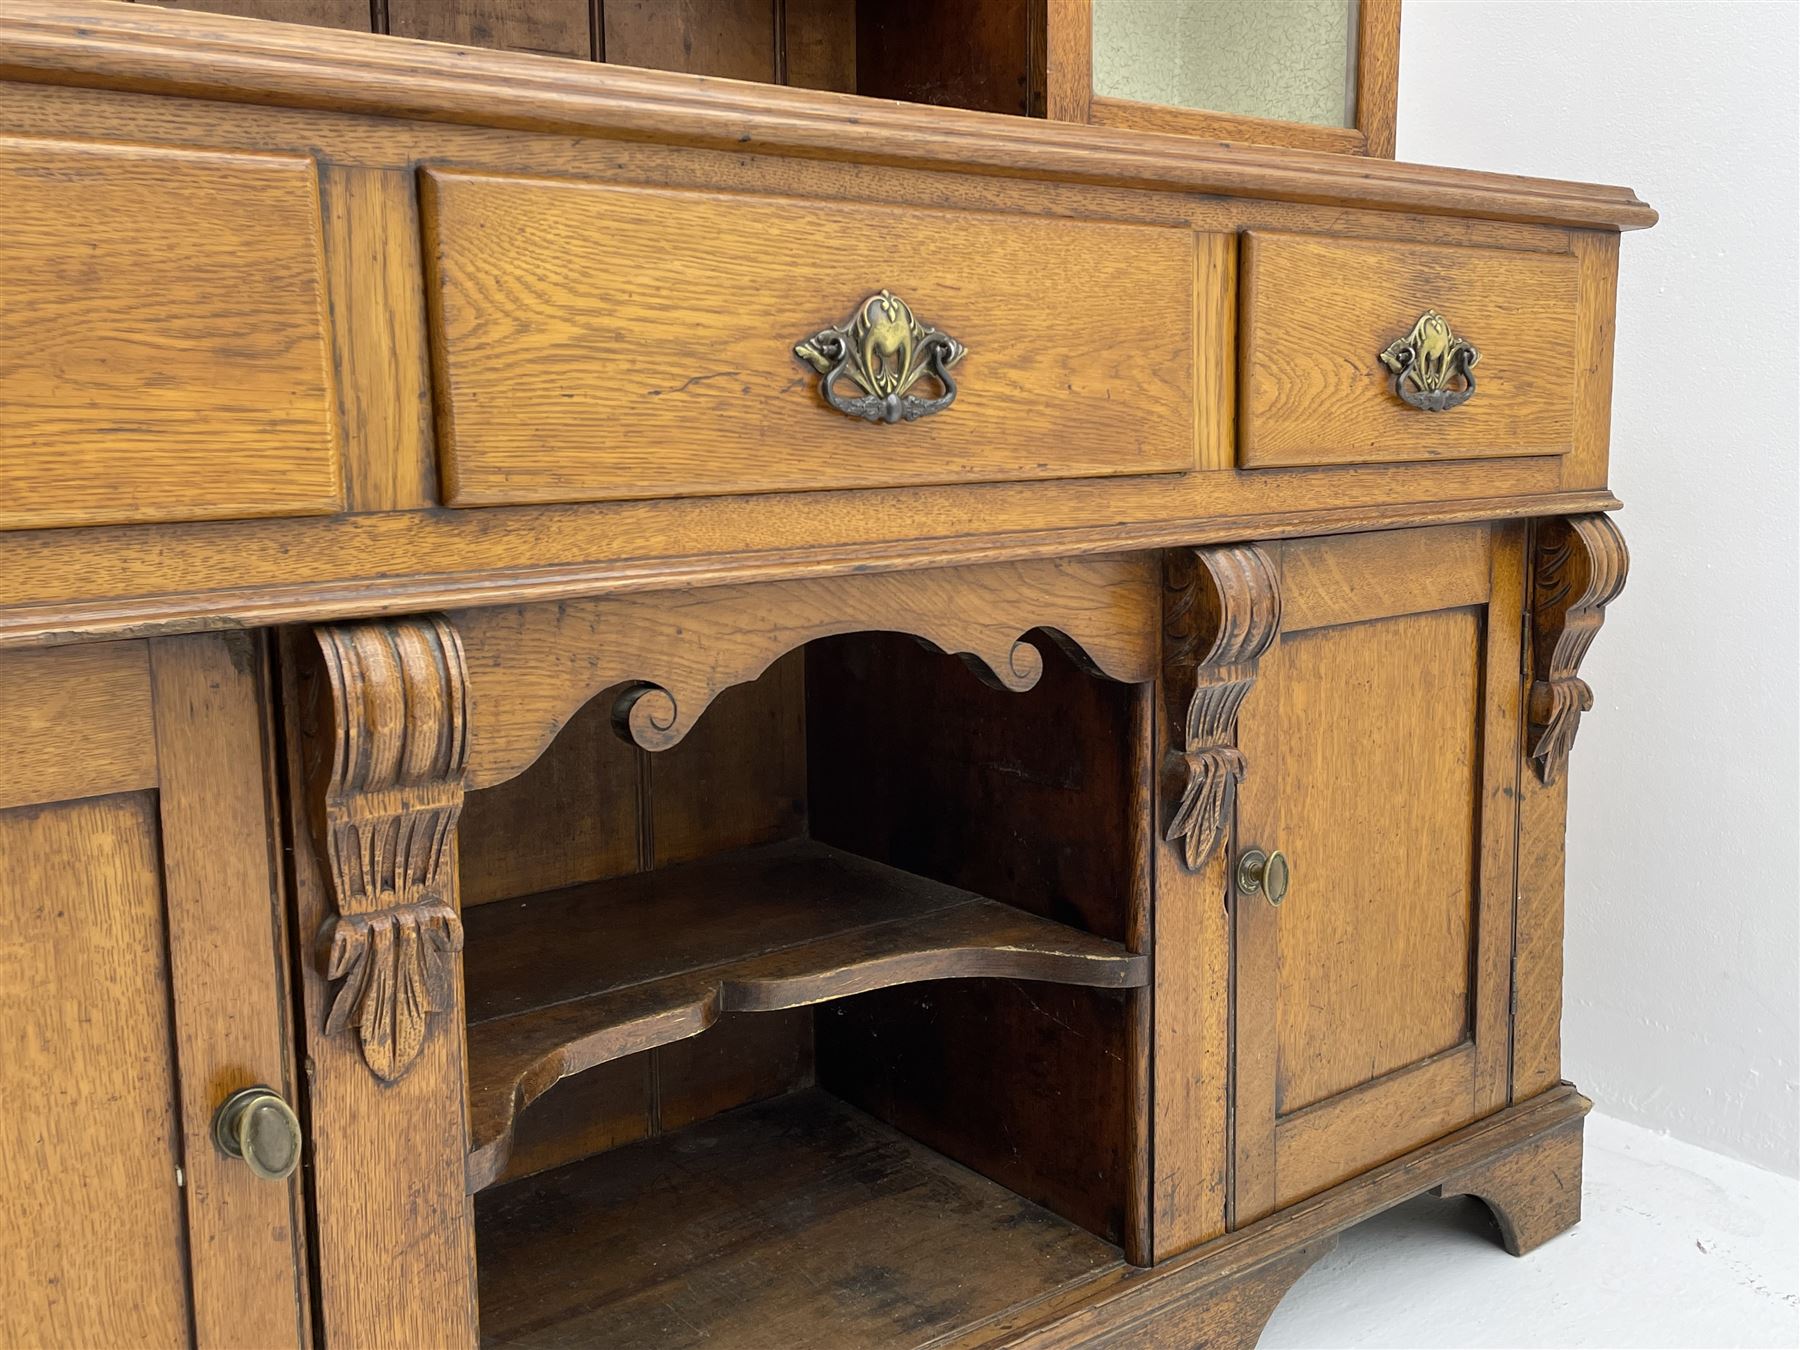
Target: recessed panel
163, 355
94, 1231
1379, 768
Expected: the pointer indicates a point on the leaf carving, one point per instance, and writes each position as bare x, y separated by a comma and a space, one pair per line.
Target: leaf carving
387, 747
1221, 609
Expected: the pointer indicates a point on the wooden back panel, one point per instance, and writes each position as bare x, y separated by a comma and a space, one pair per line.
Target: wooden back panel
593, 807
1039, 799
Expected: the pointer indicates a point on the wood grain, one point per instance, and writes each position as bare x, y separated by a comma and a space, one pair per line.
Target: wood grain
1378, 1120
733, 39
387, 1157
104, 690
783, 926
547, 27
1598, 255
1382, 575
164, 351
1191, 1060
385, 729
1069, 64
378, 328
531, 668
1378, 74
739, 778
1317, 314
946, 53
1215, 349
228, 964
573, 816
1378, 782
353, 15
882, 1241
1042, 1088
1136, 1303
90, 1149
1538, 937
1372, 1005
98, 45
819, 45
62, 586
1224, 128
596, 343
1534, 1193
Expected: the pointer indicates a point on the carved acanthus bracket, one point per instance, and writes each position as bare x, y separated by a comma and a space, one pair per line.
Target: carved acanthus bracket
1221, 609
387, 746
1579, 568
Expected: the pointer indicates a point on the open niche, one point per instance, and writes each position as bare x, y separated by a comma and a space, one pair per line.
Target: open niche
823, 1025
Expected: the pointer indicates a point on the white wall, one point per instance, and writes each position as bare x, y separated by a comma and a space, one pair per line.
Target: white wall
1683, 873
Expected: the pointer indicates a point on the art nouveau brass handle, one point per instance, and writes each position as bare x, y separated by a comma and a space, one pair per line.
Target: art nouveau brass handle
1426, 363
884, 352
255, 1124
1264, 873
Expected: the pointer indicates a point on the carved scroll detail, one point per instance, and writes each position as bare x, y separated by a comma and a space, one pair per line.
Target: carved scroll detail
1221, 609
1579, 569
387, 730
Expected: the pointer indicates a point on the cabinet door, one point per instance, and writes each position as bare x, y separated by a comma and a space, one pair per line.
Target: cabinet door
141, 960
1381, 738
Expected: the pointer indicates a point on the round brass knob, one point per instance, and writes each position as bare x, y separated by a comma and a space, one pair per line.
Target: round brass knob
1266, 873
256, 1125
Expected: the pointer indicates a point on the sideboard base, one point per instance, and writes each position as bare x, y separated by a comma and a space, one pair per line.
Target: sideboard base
1524, 1162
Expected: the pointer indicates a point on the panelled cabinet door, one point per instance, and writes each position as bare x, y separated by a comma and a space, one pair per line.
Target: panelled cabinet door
1381, 739
141, 983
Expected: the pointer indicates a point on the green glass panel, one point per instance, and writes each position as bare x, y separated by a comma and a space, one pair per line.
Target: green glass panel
1288, 59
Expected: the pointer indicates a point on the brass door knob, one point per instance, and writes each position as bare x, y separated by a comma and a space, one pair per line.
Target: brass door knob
1265, 873
256, 1125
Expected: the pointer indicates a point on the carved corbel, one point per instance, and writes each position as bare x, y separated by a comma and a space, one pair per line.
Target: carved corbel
1579, 568
1221, 609
387, 745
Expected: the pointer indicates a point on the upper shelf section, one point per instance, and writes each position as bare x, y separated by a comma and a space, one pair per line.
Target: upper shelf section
111, 46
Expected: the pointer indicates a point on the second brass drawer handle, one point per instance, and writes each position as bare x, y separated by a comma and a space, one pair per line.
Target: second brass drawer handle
1428, 360
884, 352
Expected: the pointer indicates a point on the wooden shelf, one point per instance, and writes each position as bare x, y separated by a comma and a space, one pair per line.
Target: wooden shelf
563, 981
791, 1224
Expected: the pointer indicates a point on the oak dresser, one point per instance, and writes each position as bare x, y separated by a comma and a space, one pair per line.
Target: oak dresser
642, 709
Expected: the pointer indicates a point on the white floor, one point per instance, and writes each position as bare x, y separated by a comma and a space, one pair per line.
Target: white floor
1677, 1247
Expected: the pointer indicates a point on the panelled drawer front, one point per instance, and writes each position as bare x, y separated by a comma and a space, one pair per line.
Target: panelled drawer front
163, 348
595, 342
1317, 313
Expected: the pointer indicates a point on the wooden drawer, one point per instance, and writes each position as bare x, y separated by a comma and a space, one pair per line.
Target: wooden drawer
1317, 313
163, 351
596, 342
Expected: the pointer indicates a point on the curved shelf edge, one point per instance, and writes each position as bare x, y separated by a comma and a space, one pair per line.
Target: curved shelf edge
517, 1057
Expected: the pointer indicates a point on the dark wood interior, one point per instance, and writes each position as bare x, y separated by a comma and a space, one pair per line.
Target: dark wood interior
796, 1223
986, 55
877, 917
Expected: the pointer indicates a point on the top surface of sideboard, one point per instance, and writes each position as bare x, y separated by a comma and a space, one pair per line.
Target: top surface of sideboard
305, 325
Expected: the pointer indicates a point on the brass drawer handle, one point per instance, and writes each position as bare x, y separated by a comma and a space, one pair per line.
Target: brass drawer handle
256, 1125
1427, 360
1267, 873
884, 351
